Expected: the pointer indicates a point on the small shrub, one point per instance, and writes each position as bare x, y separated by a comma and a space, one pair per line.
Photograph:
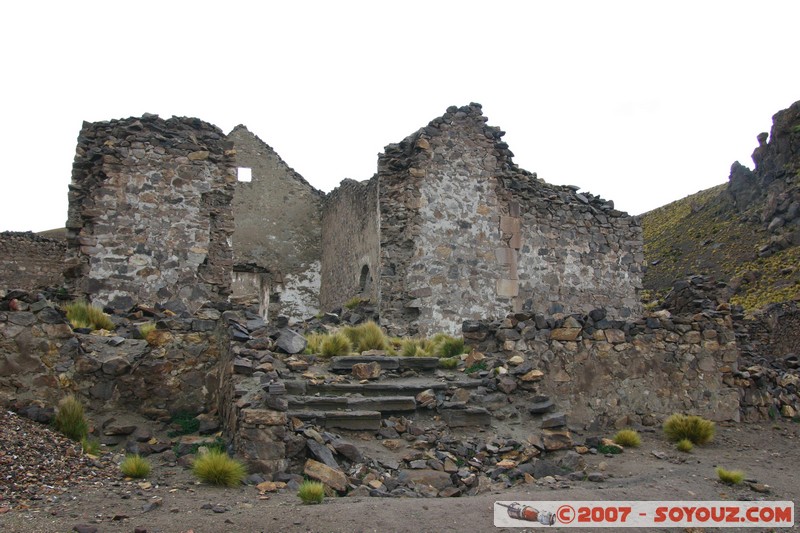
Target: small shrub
684, 445
731, 477
311, 491
135, 466
449, 347
90, 446
448, 362
335, 345
217, 468
628, 437
82, 315
70, 419
695, 428
353, 302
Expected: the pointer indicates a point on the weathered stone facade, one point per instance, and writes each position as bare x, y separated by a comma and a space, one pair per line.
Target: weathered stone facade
150, 215
351, 239
29, 261
467, 234
277, 219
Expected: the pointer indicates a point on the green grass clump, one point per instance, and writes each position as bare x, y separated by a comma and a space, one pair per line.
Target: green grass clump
70, 419
82, 315
90, 446
448, 363
697, 429
335, 345
145, 329
311, 491
731, 477
448, 346
684, 445
135, 466
314, 343
409, 348
353, 302
217, 468
628, 437
183, 423
477, 367
371, 337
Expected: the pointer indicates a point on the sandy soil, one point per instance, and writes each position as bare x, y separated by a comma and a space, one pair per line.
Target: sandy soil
768, 453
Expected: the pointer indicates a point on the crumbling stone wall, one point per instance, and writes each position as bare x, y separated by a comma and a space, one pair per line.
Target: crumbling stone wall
277, 219
150, 216
467, 234
29, 261
350, 236
615, 372
42, 359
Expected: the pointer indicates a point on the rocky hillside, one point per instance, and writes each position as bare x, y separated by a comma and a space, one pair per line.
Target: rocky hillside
745, 233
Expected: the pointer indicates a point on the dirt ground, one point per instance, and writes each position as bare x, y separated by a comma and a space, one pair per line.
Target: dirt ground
174, 502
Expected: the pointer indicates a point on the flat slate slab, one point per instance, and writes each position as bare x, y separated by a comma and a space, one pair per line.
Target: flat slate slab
419, 363
381, 388
384, 404
471, 416
345, 364
323, 403
354, 420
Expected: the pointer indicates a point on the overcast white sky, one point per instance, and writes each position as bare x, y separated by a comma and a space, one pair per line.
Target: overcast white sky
641, 102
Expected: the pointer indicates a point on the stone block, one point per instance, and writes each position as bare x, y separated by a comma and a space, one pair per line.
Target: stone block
510, 225
507, 288
263, 417
331, 477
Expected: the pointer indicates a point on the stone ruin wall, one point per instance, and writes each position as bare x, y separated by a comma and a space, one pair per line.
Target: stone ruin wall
613, 372
150, 217
277, 228
42, 359
350, 236
29, 261
465, 234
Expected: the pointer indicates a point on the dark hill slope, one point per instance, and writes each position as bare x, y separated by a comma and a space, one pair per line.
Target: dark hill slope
745, 232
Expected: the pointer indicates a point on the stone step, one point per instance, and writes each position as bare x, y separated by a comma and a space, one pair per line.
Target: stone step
345, 363
381, 388
353, 420
384, 404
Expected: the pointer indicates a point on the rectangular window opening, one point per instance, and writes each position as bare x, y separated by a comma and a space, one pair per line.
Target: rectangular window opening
244, 174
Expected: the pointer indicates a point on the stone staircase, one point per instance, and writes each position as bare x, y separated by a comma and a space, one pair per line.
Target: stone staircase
407, 386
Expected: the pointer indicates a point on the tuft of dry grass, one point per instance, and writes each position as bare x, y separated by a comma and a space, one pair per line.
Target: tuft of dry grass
135, 466
628, 438
731, 477
694, 428
311, 491
217, 468
70, 418
335, 345
82, 315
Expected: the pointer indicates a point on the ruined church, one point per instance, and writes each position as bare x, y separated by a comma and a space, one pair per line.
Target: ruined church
175, 212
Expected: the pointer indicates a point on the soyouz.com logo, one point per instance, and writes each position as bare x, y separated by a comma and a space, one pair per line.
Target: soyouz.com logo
643, 514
